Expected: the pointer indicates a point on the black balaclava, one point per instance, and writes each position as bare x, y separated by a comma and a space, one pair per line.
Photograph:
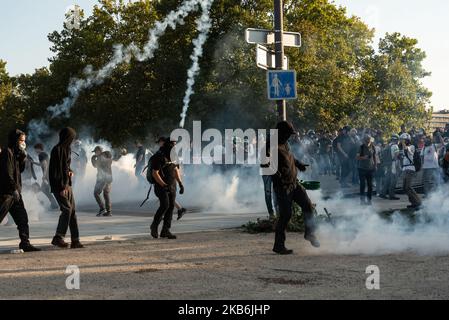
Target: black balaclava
66, 137
167, 148
285, 131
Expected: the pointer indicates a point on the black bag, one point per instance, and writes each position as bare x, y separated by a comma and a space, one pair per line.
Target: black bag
417, 160
149, 169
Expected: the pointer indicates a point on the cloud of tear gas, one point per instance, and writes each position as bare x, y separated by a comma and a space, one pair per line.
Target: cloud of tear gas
203, 26
360, 230
208, 188
223, 190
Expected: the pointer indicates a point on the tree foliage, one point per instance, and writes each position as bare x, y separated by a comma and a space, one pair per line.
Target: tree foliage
341, 77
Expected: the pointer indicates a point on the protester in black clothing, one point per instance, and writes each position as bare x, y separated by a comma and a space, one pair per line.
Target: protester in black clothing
181, 210
166, 174
44, 160
12, 164
367, 164
102, 161
288, 189
60, 176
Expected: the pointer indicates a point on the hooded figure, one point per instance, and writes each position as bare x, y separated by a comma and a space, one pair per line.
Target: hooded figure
12, 164
60, 176
288, 190
166, 175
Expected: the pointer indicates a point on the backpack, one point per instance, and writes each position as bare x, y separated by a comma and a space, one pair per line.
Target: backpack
417, 160
149, 169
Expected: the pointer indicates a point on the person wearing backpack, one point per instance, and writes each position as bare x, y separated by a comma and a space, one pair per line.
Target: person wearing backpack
390, 161
410, 166
165, 174
430, 166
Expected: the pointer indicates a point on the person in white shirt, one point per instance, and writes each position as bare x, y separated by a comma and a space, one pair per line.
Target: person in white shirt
430, 166
409, 171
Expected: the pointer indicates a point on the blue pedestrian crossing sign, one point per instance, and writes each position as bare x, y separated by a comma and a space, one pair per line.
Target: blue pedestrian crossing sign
281, 84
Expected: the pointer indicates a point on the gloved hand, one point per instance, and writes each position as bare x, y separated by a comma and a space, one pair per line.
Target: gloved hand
181, 189
16, 195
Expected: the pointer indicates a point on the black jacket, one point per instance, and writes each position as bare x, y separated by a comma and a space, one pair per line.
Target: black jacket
60, 158
12, 164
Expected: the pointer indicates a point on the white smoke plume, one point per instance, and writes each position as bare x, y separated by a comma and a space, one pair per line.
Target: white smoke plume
234, 190
122, 54
361, 230
203, 26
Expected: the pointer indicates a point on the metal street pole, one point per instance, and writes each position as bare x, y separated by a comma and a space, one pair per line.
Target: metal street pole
279, 49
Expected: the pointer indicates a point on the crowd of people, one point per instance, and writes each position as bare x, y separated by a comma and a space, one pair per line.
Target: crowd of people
357, 157
366, 158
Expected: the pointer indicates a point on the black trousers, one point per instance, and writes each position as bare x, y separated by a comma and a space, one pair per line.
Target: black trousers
366, 178
67, 219
18, 213
167, 200
285, 201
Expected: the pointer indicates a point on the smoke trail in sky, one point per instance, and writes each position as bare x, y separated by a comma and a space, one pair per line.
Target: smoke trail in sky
203, 26
123, 54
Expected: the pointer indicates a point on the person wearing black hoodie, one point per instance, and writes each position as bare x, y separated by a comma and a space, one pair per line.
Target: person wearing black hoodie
12, 164
288, 190
60, 176
166, 175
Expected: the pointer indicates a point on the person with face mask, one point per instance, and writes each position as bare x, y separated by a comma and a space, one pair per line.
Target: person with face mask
288, 190
12, 164
430, 166
165, 174
60, 176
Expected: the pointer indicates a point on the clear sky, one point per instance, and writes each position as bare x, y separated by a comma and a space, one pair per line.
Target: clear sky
25, 24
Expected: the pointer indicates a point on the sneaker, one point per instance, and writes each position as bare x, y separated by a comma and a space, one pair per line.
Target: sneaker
154, 232
28, 247
101, 212
76, 245
59, 242
313, 241
383, 196
283, 251
394, 198
107, 213
168, 235
181, 213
